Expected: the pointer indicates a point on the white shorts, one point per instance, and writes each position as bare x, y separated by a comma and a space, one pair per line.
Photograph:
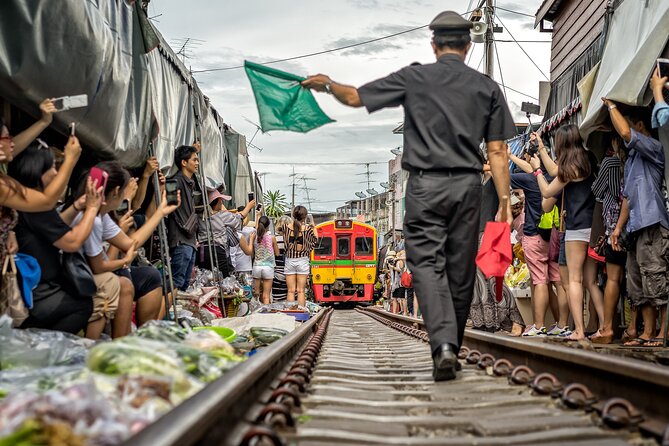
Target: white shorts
299, 265
577, 235
263, 272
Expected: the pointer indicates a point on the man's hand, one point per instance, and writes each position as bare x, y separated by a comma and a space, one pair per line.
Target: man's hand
48, 109
608, 102
658, 83
197, 145
317, 82
535, 162
150, 167
130, 254
504, 212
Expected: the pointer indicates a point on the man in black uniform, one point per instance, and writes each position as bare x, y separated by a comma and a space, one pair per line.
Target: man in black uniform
450, 109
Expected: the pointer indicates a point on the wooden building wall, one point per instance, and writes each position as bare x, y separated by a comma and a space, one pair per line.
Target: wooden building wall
576, 25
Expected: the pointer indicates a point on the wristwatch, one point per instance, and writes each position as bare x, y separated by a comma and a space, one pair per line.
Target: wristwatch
611, 107
537, 172
328, 87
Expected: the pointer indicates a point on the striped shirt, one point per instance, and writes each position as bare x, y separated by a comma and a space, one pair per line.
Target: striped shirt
607, 188
300, 244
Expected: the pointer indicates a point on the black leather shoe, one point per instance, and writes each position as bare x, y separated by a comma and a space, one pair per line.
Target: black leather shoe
445, 363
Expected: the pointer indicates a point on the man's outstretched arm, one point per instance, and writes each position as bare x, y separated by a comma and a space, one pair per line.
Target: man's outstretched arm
345, 94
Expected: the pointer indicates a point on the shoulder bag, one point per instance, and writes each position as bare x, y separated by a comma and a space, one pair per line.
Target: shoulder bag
78, 274
11, 301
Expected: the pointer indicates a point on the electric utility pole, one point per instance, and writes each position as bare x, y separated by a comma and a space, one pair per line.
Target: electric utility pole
489, 39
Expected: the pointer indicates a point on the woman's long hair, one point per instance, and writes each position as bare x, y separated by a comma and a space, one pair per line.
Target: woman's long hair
262, 228
572, 158
299, 216
29, 166
13, 185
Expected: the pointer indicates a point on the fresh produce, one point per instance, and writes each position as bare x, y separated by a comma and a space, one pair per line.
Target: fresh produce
161, 331
264, 335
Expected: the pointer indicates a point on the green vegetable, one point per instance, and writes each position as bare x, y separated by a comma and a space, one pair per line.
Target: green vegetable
23, 436
267, 335
161, 331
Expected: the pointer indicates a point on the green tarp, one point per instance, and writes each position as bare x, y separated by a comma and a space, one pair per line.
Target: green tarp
282, 103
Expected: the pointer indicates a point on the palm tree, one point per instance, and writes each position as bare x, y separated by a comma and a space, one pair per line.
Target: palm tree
275, 204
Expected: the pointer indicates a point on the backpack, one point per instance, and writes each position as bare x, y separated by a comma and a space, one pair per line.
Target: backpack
406, 280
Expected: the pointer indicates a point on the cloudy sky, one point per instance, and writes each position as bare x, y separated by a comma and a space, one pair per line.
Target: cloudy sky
260, 31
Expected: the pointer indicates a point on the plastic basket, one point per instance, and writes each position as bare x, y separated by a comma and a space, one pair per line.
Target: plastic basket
226, 333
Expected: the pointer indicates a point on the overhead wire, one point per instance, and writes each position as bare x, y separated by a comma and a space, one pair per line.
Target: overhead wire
514, 12
521, 48
318, 53
300, 163
499, 64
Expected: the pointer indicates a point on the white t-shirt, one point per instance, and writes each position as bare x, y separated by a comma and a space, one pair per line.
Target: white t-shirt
104, 229
241, 261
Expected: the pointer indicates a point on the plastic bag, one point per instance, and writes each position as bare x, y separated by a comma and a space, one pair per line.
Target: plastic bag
41, 379
35, 348
161, 331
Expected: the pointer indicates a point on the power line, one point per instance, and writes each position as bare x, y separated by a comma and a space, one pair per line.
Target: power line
318, 53
300, 163
499, 64
514, 12
522, 49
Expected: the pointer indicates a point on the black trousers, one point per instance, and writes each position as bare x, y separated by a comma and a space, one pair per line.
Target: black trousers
441, 230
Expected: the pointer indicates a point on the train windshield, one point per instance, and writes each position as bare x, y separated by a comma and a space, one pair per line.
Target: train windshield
323, 247
344, 247
364, 246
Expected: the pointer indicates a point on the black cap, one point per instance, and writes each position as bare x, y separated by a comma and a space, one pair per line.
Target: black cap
450, 22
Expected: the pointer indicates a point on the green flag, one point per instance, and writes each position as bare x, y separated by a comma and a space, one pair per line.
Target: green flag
283, 104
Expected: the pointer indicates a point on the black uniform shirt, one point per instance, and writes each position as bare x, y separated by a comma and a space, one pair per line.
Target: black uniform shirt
449, 110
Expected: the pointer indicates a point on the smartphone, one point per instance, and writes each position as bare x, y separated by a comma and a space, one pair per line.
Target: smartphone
124, 207
171, 188
663, 68
99, 176
251, 196
73, 128
258, 207
68, 102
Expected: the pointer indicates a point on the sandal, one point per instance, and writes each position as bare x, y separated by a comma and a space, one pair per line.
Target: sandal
636, 342
655, 342
627, 336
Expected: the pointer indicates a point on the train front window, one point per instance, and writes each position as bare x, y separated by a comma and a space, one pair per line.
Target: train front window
364, 246
343, 247
323, 247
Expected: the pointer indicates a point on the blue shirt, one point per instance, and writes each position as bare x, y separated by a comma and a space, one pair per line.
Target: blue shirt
660, 114
644, 172
533, 209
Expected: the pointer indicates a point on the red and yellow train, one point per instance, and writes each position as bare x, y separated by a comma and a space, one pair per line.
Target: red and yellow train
343, 263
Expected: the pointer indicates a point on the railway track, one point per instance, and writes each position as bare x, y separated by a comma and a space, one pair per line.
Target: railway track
363, 377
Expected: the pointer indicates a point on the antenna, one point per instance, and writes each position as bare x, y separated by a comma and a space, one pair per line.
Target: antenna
258, 128
187, 44
385, 185
396, 151
368, 174
360, 195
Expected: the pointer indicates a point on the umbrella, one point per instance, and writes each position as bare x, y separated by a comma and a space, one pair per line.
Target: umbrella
494, 256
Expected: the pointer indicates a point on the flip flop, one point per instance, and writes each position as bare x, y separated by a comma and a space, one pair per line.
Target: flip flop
636, 342
655, 342
626, 336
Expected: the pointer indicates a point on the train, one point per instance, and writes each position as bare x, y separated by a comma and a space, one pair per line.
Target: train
343, 263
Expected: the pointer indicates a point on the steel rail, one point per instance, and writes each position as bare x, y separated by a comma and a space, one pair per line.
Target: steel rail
643, 384
209, 416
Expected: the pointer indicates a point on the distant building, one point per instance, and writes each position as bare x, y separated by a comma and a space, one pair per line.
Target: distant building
372, 210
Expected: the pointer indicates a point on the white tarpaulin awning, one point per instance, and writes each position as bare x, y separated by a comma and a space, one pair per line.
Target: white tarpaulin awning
637, 35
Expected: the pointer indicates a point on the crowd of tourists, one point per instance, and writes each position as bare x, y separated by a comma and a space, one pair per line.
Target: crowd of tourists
88, 237
600, 227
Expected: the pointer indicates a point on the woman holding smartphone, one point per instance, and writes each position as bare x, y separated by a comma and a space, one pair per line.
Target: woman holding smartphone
300, 238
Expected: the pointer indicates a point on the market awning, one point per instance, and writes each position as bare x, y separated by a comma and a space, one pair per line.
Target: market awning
637, 35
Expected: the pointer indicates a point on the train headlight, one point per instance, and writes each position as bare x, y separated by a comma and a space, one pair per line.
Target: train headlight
369, 277
318, 277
